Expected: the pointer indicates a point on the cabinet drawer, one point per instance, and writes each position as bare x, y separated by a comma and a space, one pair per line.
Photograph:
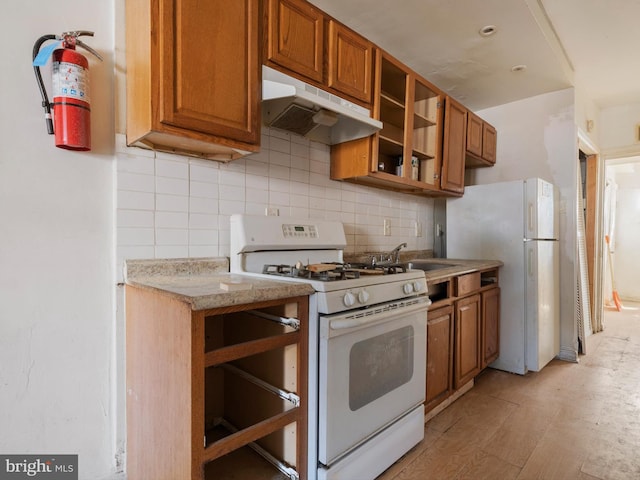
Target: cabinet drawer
466, 284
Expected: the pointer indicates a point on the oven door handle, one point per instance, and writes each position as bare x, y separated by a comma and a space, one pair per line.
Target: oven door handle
378, 314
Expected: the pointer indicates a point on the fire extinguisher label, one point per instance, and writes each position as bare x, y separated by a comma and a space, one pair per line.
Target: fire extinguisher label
70, 80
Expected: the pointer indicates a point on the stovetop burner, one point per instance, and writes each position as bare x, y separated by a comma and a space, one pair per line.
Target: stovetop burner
328, 272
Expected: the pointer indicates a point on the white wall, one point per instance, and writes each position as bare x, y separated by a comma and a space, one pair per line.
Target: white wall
56, 253
619, 130
537, 137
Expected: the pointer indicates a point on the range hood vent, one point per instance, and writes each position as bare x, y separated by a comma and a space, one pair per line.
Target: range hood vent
297, 107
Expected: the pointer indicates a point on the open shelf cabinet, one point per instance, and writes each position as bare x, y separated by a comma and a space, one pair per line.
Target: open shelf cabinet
216, 394
405, 155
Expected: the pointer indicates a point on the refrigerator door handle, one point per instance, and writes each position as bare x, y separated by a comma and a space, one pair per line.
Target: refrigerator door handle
530, 219
530, 262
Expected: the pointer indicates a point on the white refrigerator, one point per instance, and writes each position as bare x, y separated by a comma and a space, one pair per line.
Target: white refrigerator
515, 222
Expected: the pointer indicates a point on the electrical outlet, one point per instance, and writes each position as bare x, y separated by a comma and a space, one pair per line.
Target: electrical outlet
271, 212
387, 227
418, 229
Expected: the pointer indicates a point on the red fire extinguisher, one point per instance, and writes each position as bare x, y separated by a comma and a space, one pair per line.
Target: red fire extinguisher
71, 121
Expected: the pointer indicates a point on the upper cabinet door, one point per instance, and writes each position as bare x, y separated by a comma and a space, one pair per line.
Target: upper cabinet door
474, 134
209, 67
295, 37
454, 146
489, 142
350, 62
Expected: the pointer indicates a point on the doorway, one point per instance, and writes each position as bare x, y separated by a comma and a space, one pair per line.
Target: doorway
621, 222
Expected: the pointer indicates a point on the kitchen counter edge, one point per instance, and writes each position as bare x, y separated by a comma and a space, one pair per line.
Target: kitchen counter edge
206, 283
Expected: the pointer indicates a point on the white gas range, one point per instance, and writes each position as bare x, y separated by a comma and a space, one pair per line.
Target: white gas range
367, 342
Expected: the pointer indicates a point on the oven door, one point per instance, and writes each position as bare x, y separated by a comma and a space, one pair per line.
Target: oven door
371, 372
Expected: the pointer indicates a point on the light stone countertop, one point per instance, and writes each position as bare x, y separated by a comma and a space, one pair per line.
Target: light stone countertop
458, 267
206, 283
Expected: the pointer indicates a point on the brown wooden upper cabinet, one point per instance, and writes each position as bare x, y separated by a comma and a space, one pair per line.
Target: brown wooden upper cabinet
406, 154
453, 145
302, 40
193, 82
481, 142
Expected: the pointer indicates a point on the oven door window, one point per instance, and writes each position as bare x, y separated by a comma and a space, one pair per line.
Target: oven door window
379, 365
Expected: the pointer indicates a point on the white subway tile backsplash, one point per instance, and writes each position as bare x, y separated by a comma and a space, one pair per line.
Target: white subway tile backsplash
279, 172
128, 199
201, 189
301, 176
279, 185
228, 207
279, 145
135, 218
172, 236
172, 251
172, 220
232, 193
332, 205
320, 179
172, 203
279, 198
255, 208
299, 212
300, 150
134, 164
136, 182
205, 221
172, 186
203, 205
203, 237
255, 195
135, 236
258, 168
257, 182
230, 177
172, 169
205, 174
196, 251
274, 133
176, 206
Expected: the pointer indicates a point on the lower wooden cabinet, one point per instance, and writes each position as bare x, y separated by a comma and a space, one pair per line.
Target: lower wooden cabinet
468, 329
490, 325
439, 356
204, 388
463, 332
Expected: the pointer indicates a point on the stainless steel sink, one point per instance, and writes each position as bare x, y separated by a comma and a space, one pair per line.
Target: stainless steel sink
427, 265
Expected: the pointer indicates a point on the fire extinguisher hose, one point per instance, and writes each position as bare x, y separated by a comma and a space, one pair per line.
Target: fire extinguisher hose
43, 92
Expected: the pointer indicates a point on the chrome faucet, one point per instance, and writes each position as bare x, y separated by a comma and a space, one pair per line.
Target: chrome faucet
394, 255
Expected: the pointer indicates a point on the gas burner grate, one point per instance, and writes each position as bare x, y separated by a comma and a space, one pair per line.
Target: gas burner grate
339, 272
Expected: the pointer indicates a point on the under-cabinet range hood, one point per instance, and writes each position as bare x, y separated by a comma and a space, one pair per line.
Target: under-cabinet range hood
297, 107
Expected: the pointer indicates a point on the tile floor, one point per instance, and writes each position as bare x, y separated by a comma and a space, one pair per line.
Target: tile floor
569, 421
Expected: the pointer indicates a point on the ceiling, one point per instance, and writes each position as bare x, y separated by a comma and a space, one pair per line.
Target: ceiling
589, 44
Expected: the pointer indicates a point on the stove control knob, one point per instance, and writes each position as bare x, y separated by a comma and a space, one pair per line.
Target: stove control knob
407, 288
349, 299
363, 296
417, 286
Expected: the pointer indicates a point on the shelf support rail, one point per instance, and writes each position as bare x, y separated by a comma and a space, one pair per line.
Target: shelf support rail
289, 322
283, 467
285, 395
